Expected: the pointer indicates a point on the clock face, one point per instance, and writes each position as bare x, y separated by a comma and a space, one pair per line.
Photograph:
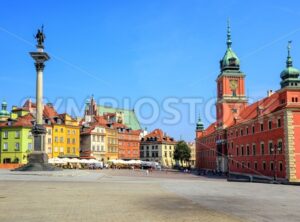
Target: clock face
233, 84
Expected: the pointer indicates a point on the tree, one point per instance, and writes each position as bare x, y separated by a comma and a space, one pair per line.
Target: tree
182, 152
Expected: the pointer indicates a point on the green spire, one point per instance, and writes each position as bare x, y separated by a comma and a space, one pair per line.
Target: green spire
3, 111
200, 125
228, 42
289, 61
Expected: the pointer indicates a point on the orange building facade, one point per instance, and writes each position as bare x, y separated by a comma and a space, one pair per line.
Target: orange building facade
129, 142
261, 139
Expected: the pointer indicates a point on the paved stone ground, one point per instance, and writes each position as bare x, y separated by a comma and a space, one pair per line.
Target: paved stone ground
126, 195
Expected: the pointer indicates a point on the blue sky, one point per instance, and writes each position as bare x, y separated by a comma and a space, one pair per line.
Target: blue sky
135, 49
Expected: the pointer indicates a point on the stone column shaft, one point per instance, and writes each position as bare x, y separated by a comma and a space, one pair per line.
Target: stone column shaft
39, 93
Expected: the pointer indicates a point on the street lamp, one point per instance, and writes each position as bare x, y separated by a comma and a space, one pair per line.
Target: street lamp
274, 151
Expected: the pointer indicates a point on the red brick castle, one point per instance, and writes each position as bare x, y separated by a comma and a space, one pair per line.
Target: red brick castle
262, 138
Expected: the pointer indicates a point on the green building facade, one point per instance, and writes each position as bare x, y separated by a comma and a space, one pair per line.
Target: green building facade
16, 141
16, 144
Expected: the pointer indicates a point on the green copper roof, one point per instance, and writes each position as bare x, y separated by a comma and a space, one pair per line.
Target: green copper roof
200, 125
230, 59
3, 111
290, 75
289, 71
130, 118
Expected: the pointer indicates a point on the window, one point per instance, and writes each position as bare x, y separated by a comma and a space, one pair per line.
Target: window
29, 146
261, 127
49, 150
5, 135
73, 141
68, 150
264, 165
49, 131
247, 131
69, 132
17, 134
271, 150
61, 139
17, 147
248, 150
278, 122
253, 149
5, 146
271, 166
243, 165
68, 140
142, 148
61, 149
237, 150
248, 165
262, 148
242, 148
253, 129
56, 130
61, 130
280, 167
49, 140
55, 149
56, 139
255, 165
279, 146
242, 132
270, 124
166, 154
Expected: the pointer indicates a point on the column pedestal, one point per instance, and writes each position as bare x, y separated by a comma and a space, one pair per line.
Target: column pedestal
38, 159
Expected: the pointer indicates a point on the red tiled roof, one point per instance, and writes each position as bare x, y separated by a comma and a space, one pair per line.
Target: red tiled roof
49, 112
211, 128
22, 121
267, 105
159, 135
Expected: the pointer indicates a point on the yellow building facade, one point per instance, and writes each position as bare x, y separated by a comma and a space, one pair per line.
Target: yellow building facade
65, 137
111, 143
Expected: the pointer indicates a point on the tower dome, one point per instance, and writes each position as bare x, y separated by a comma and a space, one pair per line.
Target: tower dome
290, 74
230, 60
3, 111
200, 125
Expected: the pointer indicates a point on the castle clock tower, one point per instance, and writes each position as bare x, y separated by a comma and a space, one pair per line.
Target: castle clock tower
231, 97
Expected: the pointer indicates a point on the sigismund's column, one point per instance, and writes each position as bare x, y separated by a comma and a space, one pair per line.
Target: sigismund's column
39, 154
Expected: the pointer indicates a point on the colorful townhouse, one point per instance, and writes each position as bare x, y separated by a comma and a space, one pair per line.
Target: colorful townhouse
63, 131
106, 137
93, 139
15, 136
259, 139
128, 142
159, 147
